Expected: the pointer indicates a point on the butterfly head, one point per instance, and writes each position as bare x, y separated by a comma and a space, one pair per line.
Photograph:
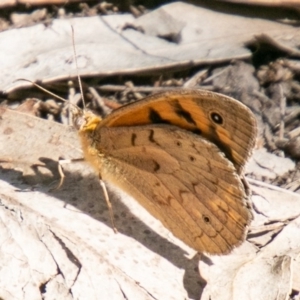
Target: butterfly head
85, 120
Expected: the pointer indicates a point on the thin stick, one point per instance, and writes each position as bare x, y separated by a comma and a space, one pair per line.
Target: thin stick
144, 89
99, 100
271, 187
282, 112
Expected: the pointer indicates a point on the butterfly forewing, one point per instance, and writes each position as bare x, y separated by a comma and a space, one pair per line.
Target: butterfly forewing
221, 119
182, 179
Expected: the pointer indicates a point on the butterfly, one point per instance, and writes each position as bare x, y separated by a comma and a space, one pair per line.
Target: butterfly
181, 155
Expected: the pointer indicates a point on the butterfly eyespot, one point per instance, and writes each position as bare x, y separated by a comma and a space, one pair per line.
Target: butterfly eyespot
216, 118
192, 158
206, 219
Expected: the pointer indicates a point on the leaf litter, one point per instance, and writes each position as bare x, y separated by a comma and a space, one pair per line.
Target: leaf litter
64, 226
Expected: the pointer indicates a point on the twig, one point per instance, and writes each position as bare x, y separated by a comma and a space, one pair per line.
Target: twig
143, 89
270, 186
99, 100
282, 112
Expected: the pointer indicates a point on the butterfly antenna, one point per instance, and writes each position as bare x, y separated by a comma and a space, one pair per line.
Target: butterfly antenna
46, 91
76, 62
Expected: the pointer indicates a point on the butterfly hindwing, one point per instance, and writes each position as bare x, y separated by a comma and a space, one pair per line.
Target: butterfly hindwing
182, 179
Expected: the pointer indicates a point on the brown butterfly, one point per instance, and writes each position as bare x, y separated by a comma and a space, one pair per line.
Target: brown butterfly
181, 155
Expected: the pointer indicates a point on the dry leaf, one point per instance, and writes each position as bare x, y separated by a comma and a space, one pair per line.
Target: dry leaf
197, 36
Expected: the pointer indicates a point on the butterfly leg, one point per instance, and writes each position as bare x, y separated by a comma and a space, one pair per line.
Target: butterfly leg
103, 186
62, 162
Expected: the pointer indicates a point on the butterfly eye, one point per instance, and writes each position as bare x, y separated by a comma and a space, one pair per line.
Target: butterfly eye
216, 118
